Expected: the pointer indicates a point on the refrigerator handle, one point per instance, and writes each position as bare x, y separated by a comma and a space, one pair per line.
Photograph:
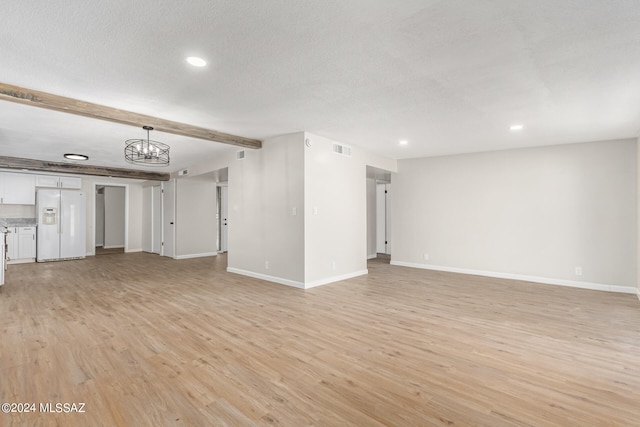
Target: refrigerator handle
59, 221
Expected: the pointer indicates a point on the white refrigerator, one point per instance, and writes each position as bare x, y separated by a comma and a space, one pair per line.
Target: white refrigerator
61, 224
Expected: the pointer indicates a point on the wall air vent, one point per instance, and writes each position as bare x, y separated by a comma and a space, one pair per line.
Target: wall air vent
240, 155
343, 150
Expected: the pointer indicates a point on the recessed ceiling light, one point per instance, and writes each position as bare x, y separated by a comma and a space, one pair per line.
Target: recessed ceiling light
196, 62
404, 142
72, 156
516, 127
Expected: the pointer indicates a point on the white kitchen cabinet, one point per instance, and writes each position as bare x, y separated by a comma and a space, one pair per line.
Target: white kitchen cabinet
53, 181
47, 181
17, 189
21, 244
12, 243
26, 242
70, 182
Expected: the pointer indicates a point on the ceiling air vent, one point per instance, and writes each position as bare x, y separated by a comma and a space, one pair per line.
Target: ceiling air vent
343, 150
240, 155
183, 172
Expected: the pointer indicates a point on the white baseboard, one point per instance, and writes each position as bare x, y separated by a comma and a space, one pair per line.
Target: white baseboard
133, 250
196, 255
372, 256
638, 293
113, 247
21, 261
266, 277
536, 279
297, 284
335, 279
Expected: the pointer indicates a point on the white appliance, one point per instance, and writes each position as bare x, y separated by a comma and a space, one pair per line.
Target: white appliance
3, 245
61, 224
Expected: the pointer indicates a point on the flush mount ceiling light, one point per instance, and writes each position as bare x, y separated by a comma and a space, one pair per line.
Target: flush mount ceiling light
403, 142
146, 152
196, 62
516, 127
72, 156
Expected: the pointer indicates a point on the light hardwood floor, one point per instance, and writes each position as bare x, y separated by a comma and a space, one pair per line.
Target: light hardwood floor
150, 341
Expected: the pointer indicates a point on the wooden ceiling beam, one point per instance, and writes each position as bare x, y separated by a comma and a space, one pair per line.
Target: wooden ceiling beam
56, 167
95, 111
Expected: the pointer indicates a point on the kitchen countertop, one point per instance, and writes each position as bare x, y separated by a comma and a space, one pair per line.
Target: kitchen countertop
17, 222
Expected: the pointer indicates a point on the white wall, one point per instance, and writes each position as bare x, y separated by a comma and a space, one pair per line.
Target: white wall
147, 218
371, 218
537, 212
134, 237
300, 249
264, 189
196, 226
335, 194
17, 211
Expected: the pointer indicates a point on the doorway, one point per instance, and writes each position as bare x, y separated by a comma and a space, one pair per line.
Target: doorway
110, 219
383, 225
378, 213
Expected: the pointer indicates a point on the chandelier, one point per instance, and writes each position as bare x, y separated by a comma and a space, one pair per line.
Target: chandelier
146, 151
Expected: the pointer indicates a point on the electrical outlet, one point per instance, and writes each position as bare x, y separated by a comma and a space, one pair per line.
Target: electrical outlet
294, 211
266, 265
315, 210
425, 256
578, 271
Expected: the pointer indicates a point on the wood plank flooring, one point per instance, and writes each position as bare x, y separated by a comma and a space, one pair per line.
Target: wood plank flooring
110, 251
149, 341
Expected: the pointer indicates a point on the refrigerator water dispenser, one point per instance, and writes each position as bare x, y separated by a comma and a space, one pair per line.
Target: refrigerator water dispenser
50, 216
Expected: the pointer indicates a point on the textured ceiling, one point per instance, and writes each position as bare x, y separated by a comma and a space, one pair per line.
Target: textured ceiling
448, 76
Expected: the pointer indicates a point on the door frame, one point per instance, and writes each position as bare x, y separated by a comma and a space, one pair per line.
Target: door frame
220, 215
383, 217
126, 214
174, 183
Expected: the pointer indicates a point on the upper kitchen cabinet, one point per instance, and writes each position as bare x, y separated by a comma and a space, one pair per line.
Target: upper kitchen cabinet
17, 189
52, 181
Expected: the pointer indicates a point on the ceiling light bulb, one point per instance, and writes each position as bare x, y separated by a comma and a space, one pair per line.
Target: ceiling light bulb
72, 156
516, 127
404, 142
196, 62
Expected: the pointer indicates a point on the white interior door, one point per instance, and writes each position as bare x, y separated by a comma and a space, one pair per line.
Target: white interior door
156, 221
224, 212
168, 218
